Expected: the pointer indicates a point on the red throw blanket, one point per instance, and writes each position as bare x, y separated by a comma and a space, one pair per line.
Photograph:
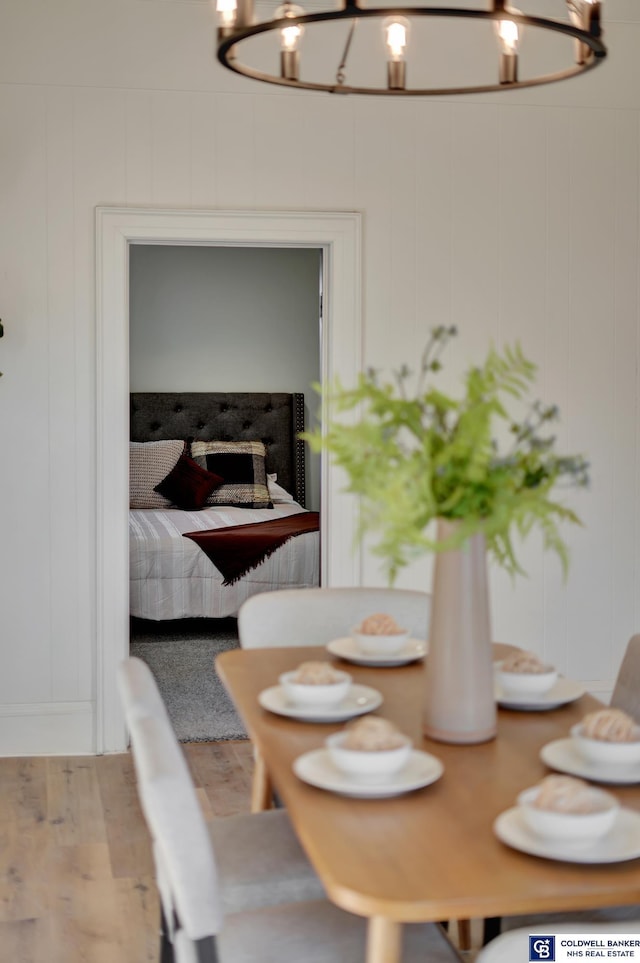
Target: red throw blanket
239, 548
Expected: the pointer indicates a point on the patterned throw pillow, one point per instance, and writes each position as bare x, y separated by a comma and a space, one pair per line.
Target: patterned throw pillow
242, 465
149, 463
187, 486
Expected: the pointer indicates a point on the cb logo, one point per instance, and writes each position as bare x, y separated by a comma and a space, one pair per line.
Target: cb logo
542, 948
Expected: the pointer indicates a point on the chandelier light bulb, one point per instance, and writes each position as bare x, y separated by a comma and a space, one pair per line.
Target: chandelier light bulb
289, 40
584, 14
226, 10
396, 33
290, 36
233, 15
508, 36
580, 11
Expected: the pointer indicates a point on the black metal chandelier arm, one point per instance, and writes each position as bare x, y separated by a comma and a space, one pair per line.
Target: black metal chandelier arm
353, 11
591, 38
253, 74
340, 72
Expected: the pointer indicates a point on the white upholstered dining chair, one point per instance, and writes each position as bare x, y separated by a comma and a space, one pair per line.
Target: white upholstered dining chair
315, 616
206, 923
278, 869
626, 692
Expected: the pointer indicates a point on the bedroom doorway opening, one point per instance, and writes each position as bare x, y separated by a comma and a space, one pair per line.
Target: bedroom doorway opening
338, 236
234, 321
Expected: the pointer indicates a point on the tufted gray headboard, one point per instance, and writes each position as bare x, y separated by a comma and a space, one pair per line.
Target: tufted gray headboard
274, 418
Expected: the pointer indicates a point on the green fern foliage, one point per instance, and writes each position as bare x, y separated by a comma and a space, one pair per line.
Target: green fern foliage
416, 455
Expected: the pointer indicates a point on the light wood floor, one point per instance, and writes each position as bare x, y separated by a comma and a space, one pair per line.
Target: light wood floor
76, 879
76, 876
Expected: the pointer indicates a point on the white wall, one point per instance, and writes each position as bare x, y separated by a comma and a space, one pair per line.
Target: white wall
227, 319
514, 216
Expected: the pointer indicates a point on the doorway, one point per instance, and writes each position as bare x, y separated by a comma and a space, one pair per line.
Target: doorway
337, 235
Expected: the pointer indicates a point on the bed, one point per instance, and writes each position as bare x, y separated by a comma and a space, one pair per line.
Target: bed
171, 577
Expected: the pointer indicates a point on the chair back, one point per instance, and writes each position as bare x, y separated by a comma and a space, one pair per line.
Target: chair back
626, 692
185, 864
315, 616
138, 691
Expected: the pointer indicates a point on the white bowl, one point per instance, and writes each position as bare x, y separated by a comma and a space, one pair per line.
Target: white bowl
380, 644
568, 827
373, 764
527, 683
315, 695
606, 753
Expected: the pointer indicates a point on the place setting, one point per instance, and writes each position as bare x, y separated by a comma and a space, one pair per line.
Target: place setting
318, 692
378, 641
564, 818
604, 747
526, 684
368, 759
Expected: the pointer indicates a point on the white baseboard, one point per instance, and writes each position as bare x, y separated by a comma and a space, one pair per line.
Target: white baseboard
47, 729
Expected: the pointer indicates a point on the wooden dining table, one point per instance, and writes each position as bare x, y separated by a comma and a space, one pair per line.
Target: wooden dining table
432, 854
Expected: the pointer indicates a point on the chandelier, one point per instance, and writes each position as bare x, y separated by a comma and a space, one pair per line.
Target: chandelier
508, 29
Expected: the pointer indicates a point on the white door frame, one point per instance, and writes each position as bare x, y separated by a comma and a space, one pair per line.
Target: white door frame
338, 235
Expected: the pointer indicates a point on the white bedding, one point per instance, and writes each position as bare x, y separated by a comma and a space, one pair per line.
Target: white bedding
171, 578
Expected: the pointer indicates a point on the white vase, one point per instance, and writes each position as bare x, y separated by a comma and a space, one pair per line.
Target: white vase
460, 703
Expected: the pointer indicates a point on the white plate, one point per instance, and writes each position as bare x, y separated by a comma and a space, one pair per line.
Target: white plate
563, 692
563, 755
347, 649
361, 699
317, 769
620, 843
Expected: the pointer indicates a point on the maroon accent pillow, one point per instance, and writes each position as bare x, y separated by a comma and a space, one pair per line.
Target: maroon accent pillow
188, 485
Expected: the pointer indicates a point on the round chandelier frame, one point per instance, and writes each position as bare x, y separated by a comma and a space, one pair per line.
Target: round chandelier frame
583, 26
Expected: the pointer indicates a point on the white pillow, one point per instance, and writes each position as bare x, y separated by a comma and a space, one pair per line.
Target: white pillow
149, 463
277, 493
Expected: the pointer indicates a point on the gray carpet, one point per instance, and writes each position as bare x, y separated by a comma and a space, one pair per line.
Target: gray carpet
181, 653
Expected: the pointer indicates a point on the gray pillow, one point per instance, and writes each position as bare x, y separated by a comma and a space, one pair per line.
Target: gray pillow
149, 463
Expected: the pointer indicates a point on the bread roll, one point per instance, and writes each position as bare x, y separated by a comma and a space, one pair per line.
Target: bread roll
380, 624
372, 734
